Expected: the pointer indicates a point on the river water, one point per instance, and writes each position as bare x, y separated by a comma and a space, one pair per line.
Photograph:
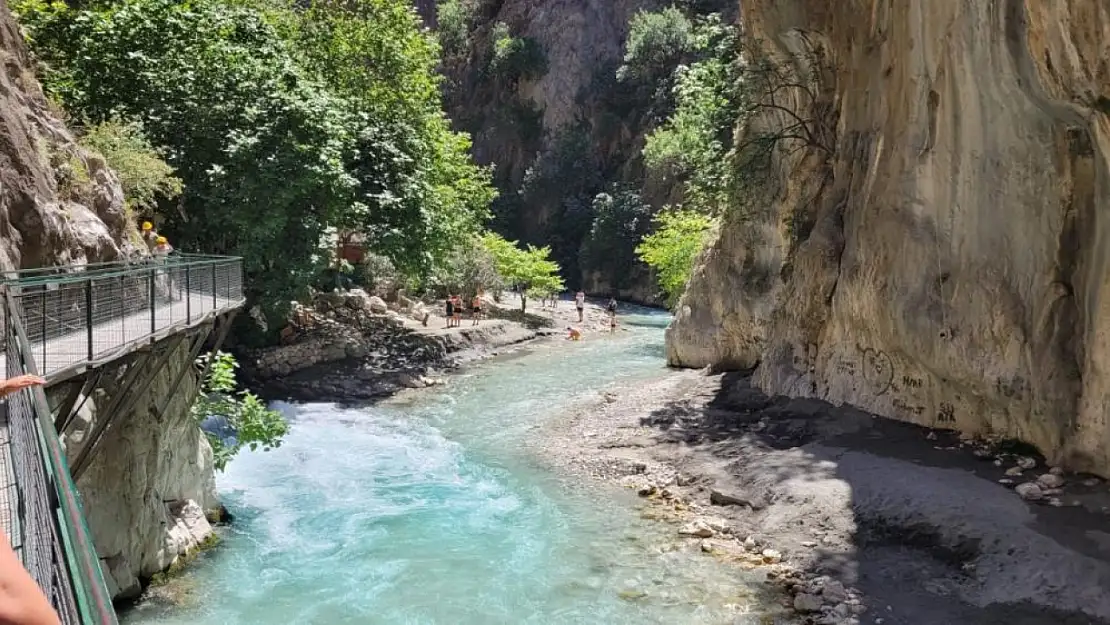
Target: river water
428, 510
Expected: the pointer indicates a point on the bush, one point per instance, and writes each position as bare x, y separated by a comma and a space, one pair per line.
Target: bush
516, 58
251, 423
377, 272
678, 238
657, 43
142, 173
469, 269
454, 26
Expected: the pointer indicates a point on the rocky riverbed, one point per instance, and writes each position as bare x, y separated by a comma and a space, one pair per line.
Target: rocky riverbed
856, 519
349, 346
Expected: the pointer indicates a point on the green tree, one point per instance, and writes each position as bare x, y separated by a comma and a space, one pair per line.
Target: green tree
255, 426
516, 58
282, 121
621, 219
418, 191
657, 41
694, 144
529, 269
679, 237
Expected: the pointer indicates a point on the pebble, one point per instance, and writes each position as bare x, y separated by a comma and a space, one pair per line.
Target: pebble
807, 603
698, 528
1026, 462
1029, 491
1014, 471
770, 556
751, 544
1093, 481
1050, 480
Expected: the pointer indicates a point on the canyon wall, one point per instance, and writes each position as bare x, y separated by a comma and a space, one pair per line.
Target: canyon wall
144, 493
937, 251
151, 482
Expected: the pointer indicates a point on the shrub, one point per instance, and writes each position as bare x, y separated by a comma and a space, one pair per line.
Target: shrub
516, 58
143, 174
454, 26
678, 238
250, 422
657, 42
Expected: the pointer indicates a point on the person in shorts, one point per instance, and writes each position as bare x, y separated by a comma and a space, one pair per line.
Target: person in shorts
580, 304
476, 307
450, 311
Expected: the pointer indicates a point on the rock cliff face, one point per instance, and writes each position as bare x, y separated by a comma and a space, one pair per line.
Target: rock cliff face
60, 204
151, 480
943, 259
526, 125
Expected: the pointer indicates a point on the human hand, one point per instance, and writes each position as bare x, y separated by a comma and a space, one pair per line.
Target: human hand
18, 383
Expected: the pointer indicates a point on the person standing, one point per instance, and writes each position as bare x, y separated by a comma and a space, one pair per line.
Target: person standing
150, 237
612, 308
580, 304
450, 310
162, 250
476, 307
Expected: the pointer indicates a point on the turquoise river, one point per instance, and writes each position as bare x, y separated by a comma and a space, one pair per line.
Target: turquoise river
429, 509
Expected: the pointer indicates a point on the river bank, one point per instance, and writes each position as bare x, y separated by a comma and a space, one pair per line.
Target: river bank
348, 346
858, 519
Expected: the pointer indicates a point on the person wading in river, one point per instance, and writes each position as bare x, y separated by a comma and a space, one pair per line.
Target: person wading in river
612, 308
22, 602
580, 304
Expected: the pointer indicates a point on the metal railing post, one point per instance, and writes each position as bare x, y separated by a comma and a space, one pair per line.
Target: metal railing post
153, 318
89, 316
213, 286
188, 297
43, 307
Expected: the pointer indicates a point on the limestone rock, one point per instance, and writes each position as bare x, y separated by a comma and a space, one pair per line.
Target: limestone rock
377, 305
151, 480
872, 268
807, 603
1029, 491
1050, 481
698, 529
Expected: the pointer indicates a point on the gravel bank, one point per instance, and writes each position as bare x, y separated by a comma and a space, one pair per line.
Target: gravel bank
856, 518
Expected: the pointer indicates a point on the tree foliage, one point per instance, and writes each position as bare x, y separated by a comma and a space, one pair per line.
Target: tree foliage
530, 270
695, 142
678, 238
620, 220
282, 122
516, 58
251, 423
144, 176
657, 41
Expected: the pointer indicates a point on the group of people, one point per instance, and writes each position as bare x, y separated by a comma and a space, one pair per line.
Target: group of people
157, 245
454, 310
575, 334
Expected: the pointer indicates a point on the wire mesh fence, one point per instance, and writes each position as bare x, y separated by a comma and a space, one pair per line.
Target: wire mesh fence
43, 518
86, 316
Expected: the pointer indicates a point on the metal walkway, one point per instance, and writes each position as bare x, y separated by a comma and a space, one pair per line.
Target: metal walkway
63, 322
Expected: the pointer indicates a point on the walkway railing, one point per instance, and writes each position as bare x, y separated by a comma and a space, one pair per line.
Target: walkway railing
92, 315
44, 518
58, 321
